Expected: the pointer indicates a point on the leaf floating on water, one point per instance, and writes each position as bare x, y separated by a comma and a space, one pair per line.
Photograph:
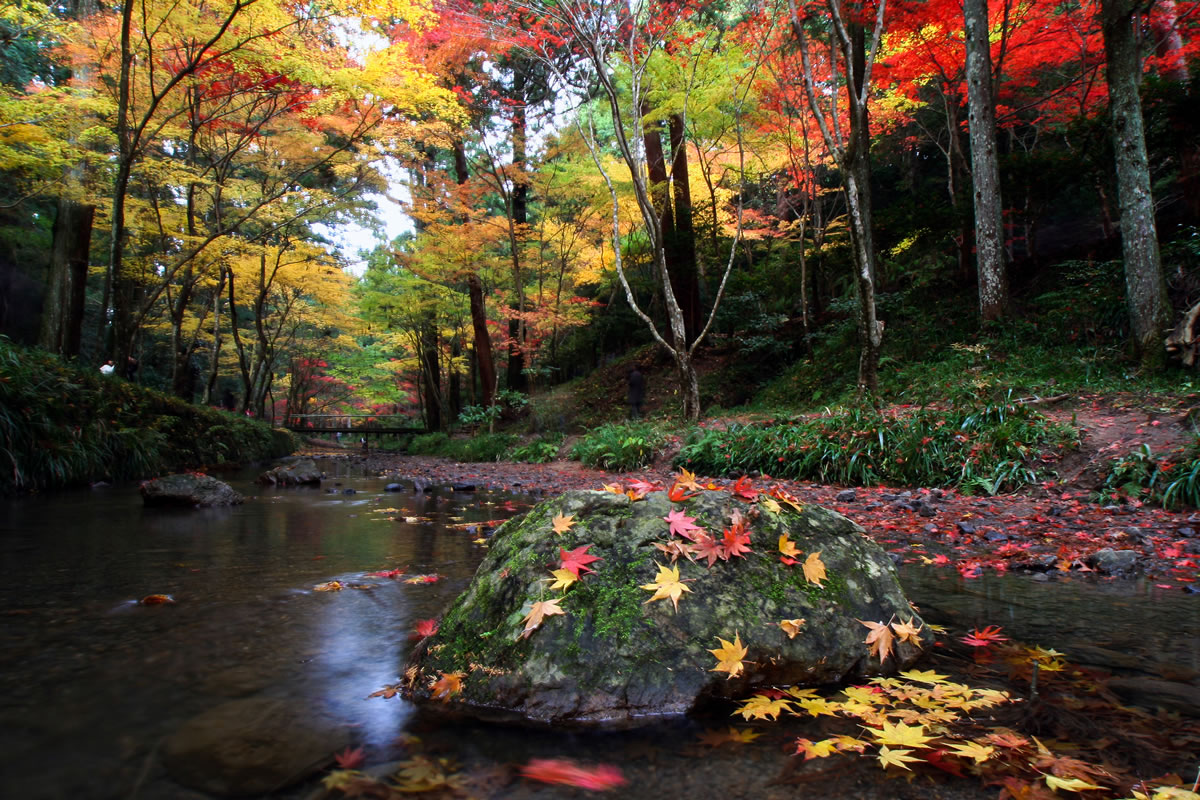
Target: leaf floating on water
350, 759
564, 772
157, 600
386, 692
329, 586
434, 578
386, 573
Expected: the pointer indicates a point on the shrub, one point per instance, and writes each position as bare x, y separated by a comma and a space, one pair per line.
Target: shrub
428, 444
484, 447
538, 451
619, 446
992, 448
1171, 480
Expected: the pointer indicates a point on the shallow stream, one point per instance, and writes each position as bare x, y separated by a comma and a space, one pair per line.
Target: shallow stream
91, 682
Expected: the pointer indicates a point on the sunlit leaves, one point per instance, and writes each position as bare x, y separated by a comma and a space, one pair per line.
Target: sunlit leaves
895, 758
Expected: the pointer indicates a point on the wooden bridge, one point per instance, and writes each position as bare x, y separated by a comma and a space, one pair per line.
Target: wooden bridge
356, 424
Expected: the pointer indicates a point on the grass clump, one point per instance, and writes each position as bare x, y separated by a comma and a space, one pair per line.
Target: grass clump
540, 451
987, 449
1171, 480
620, 447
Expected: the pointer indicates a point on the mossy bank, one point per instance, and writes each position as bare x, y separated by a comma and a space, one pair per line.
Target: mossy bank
62, 425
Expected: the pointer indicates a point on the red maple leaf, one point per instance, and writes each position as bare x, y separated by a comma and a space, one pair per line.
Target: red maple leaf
641, 488
350, 759
425, 627
678, 494
984, 638
708, 547
743, 489
578, 559
682, 525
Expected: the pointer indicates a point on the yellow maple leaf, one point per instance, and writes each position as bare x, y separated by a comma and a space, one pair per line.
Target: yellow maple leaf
563, 524
729, 656
879, 639
901, 734
666, 585
905, 632
769, 504
811, 749
787, 547
975, 750
761, 706
923, 676
538, 612
613, 487
814, 568
895, 758
817, 706
563, 578
687, 481
1070, 784
743, 735
447, 686
791, 626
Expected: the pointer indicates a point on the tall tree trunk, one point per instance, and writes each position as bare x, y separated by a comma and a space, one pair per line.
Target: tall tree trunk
483, 342
454, 400
1146, 294
517, 380
118, 288
62, 315
681, 247
431, 369
483, 339
985, 168
214, 367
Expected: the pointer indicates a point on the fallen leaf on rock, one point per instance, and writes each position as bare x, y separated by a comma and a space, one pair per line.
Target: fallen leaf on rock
329, 586
448, 685
814, 568
682, 524
788, 548
578, 559
564, 772
879, 639
563, 524
537, 613
425, 627
791, 626
666, 585
729, 656
563, 578
888, 757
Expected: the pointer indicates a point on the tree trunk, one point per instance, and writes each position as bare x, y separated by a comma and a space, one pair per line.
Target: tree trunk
483, 341
1146, 294
520, 210
985, 168
681, 247
431, 369
62, 315
214, 367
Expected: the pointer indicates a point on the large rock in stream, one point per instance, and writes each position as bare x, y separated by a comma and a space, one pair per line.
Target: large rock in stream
614, 657
292, 472
188, 489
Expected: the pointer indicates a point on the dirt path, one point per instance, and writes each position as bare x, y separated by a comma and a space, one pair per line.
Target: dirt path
1053, 532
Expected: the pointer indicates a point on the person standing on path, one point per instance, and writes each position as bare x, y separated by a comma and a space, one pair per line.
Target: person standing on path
637, 393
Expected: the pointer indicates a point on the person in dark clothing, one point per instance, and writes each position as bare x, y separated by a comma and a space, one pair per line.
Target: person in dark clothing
637, 393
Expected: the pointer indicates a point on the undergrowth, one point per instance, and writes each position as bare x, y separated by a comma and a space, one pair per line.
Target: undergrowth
61, 425
1171, 480
620, 446
988, 449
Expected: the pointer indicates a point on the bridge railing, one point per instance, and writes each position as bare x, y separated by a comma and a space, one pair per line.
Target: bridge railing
347, 422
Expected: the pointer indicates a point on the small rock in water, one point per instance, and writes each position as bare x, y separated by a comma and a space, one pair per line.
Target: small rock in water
349, 491
846, 496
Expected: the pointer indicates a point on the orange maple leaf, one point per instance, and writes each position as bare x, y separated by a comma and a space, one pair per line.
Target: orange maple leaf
563, 524
742, 488
729, 656
814, 568
446, 686
788, 548
879, 639
537, 613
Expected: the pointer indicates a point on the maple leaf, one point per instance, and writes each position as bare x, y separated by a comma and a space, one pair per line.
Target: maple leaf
742, 488
386, 573
683, 525
386, 692
897, 758
687, 480
425, 627
666, 585
563, 524
676, 494
708, 547
643, 488
760, 706
811, 749
984, 638
350, 759
923, 676
567, 773
879, 639
578, 559
448, 685
159, 600
784, 496
974, 750
905, 632
329, 586
1070, 784
563, 578
735, 543
769, 504
791, 626
715, 738
814, 568
538, 612
901, 734
729, 656
788, 547
675, 549
615, 488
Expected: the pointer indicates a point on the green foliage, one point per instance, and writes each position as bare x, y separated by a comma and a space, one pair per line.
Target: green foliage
619, 446
479, 416
482, 448
539, 451
429, 444
990, 448
62, 425
1171, 480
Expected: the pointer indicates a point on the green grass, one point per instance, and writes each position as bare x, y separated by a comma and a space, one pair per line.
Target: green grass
1171, 480
620, 446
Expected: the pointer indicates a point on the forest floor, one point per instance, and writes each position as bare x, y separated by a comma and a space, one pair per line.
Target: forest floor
1052, 531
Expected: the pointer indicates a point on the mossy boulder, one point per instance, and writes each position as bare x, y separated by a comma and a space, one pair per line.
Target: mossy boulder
613, 658
292, 472
189, 490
